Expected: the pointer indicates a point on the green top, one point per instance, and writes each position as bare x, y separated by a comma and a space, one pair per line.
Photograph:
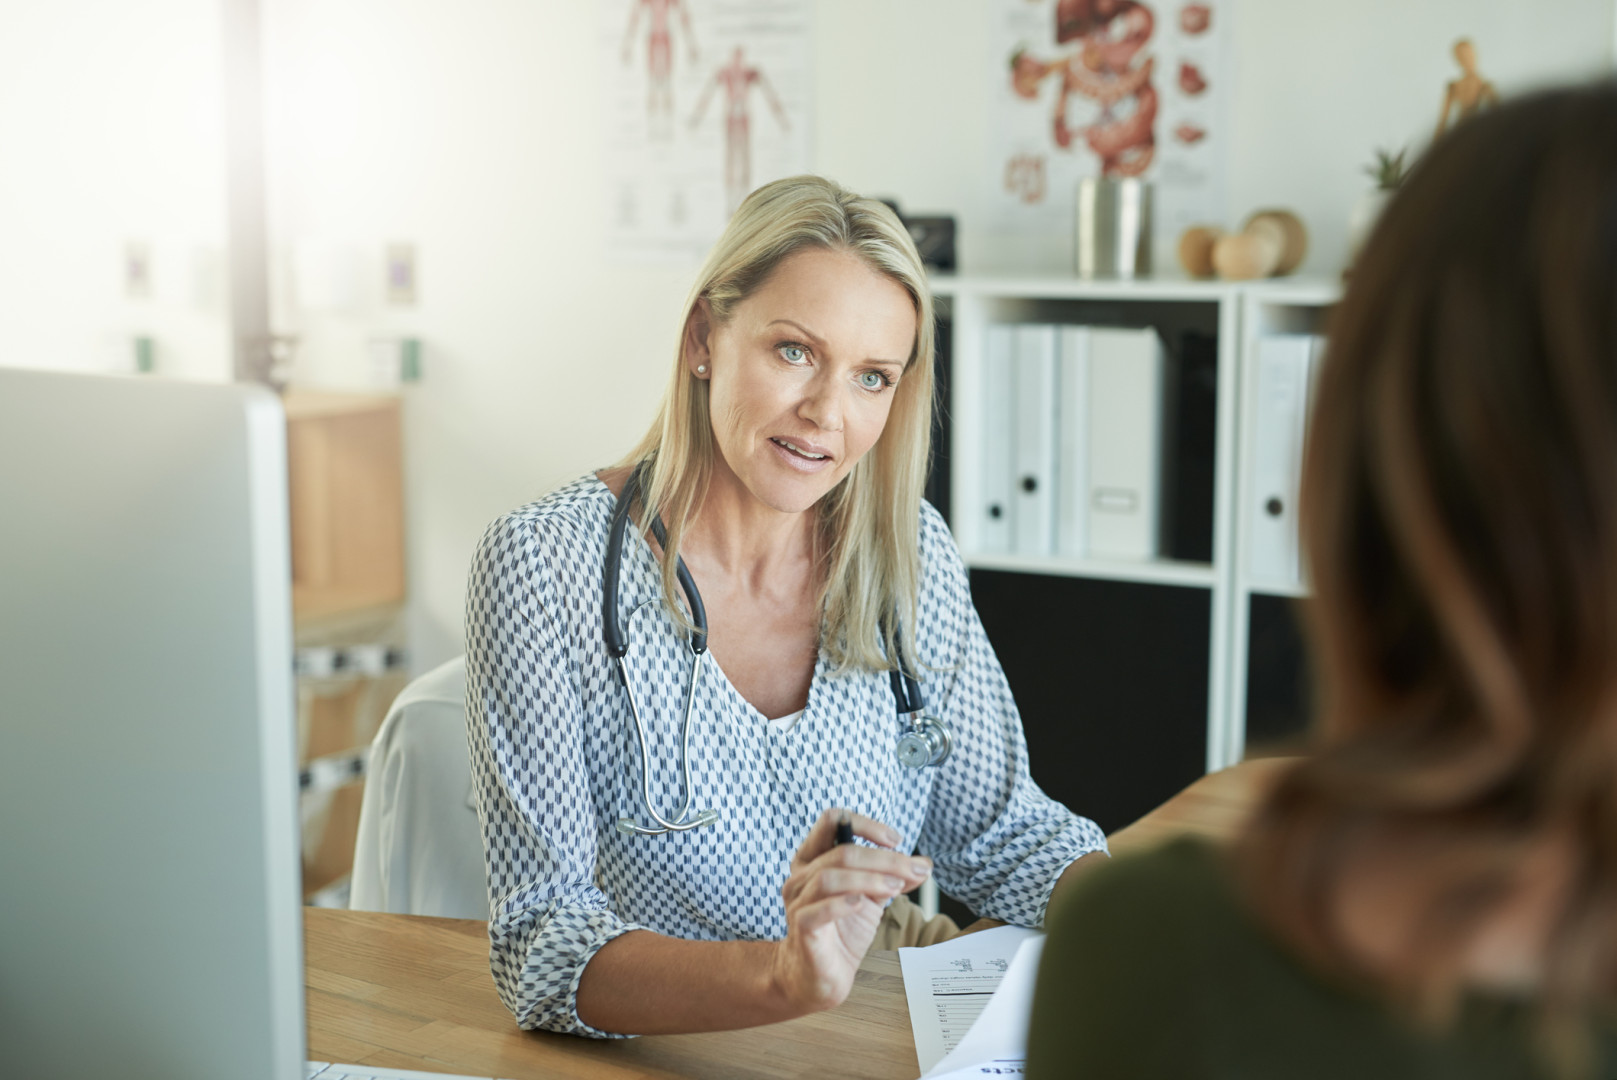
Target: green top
1153, 968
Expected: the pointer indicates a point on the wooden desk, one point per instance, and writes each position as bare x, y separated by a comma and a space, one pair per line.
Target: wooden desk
415, 993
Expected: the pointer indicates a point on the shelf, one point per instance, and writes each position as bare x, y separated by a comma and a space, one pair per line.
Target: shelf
1300, 291
1148, 572
1075, 288
1274, 588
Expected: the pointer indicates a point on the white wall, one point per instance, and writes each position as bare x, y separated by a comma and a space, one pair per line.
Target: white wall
1320, 85
1317, 86
469, 129
110, 133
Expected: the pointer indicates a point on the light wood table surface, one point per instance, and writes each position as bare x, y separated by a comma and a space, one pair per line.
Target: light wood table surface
415, 993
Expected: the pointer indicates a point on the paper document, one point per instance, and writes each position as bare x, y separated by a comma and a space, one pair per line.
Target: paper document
996, 1045
950, 984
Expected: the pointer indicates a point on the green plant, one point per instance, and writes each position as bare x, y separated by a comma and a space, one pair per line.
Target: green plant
1388, 170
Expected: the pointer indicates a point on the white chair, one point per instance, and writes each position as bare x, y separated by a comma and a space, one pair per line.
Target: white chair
420, 845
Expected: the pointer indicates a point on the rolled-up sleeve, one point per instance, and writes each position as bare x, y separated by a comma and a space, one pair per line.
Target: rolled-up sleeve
525, 729
998, 842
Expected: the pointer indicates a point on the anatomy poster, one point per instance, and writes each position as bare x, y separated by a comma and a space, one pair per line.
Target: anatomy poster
704, 101
1114, 88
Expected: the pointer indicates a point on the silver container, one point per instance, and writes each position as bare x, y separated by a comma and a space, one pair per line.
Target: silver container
1114, 228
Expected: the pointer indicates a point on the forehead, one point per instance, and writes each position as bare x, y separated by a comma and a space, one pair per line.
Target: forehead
836, 295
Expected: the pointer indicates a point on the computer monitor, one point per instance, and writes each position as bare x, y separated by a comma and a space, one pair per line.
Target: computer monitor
149, 890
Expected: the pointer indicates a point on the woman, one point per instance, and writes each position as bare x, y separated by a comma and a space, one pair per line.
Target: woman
1433, 892
787, 464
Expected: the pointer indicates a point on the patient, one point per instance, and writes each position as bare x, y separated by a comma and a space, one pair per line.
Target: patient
1433, 893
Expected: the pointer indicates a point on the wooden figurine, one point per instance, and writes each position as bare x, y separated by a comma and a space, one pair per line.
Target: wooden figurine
1469, 92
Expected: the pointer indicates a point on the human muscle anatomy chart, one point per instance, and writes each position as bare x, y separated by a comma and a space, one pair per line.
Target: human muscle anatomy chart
674, 173
659, 56
738, 79
1113, 88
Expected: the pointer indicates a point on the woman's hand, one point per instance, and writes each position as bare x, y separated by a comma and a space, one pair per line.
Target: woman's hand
834, 900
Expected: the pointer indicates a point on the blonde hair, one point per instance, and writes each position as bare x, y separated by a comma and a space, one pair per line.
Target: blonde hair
868, 526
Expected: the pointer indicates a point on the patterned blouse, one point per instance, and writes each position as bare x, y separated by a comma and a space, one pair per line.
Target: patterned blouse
556, 762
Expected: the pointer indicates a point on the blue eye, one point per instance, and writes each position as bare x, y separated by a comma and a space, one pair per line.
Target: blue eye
792, 354
874, 380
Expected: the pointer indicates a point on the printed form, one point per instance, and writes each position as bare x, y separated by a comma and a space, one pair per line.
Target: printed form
950, 986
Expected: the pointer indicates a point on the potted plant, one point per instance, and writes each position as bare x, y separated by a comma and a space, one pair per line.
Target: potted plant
1388, 171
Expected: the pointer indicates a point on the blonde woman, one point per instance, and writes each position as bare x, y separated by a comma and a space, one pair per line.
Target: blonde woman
652, 874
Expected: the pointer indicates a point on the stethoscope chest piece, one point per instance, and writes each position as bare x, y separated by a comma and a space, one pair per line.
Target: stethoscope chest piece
926, 743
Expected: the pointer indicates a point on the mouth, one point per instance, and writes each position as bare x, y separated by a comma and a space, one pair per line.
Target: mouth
799, 455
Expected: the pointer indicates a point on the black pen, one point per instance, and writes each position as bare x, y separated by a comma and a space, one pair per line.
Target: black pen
844, 829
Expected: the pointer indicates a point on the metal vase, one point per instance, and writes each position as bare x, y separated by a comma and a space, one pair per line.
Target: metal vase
1114, 228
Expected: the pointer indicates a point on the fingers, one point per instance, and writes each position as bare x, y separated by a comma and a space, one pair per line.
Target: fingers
822, 837
850, 868
837, 881
811, 917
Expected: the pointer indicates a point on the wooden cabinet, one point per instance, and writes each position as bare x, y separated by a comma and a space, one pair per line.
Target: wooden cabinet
346, 490
345, 475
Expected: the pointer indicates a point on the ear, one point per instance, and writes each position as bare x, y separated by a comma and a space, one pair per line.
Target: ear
698, 330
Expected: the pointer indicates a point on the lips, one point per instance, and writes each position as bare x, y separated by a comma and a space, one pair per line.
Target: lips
800, 453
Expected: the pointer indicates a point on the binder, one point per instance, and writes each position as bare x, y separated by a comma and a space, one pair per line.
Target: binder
1279, 419
1033, 490
994, 511
1125, 442
1072, 426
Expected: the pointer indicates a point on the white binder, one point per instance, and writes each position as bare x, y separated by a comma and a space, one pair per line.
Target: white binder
1279, 421
1033, 489
1125, 442
1072, 427
994, 511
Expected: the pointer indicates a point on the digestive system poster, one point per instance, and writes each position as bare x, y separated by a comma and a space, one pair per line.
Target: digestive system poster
705, 100
1115, 88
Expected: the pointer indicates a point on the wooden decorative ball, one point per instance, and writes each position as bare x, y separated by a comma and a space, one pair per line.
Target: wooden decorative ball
1294, 236
1196, 249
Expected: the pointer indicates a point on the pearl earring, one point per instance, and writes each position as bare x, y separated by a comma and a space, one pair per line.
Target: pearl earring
701, 369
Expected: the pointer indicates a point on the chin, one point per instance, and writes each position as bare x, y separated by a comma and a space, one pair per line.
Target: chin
792, 495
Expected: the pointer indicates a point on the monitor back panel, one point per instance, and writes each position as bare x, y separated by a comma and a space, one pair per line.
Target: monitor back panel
148, 847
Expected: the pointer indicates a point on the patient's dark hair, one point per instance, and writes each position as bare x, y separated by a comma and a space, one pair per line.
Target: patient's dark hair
1459, 517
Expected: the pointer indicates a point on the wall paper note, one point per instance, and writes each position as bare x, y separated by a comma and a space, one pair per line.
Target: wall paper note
704, 101
1109, 88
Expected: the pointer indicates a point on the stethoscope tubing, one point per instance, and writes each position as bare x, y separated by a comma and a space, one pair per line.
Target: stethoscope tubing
930, 737
679, 824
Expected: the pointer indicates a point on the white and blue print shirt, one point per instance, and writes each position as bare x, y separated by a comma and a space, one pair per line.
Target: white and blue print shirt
556, 762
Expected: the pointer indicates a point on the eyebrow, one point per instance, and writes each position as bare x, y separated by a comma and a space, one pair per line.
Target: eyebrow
817, 341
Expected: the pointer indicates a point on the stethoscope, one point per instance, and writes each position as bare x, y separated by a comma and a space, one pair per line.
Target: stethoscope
924, 742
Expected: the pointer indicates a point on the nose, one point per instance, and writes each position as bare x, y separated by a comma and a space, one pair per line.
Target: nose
822, 402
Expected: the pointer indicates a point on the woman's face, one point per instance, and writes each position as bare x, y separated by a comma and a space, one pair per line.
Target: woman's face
802, 377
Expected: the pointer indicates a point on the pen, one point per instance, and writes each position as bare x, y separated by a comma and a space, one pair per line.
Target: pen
844, 829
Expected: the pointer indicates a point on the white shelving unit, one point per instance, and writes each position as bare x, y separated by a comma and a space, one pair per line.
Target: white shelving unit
1237, 313
1277, 307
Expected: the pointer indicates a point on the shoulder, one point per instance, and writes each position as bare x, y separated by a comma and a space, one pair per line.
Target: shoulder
556, 540
1126, 959
941, 564
1168, 895
563, 517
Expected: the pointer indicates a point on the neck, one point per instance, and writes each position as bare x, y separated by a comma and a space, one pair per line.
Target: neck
745, 539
